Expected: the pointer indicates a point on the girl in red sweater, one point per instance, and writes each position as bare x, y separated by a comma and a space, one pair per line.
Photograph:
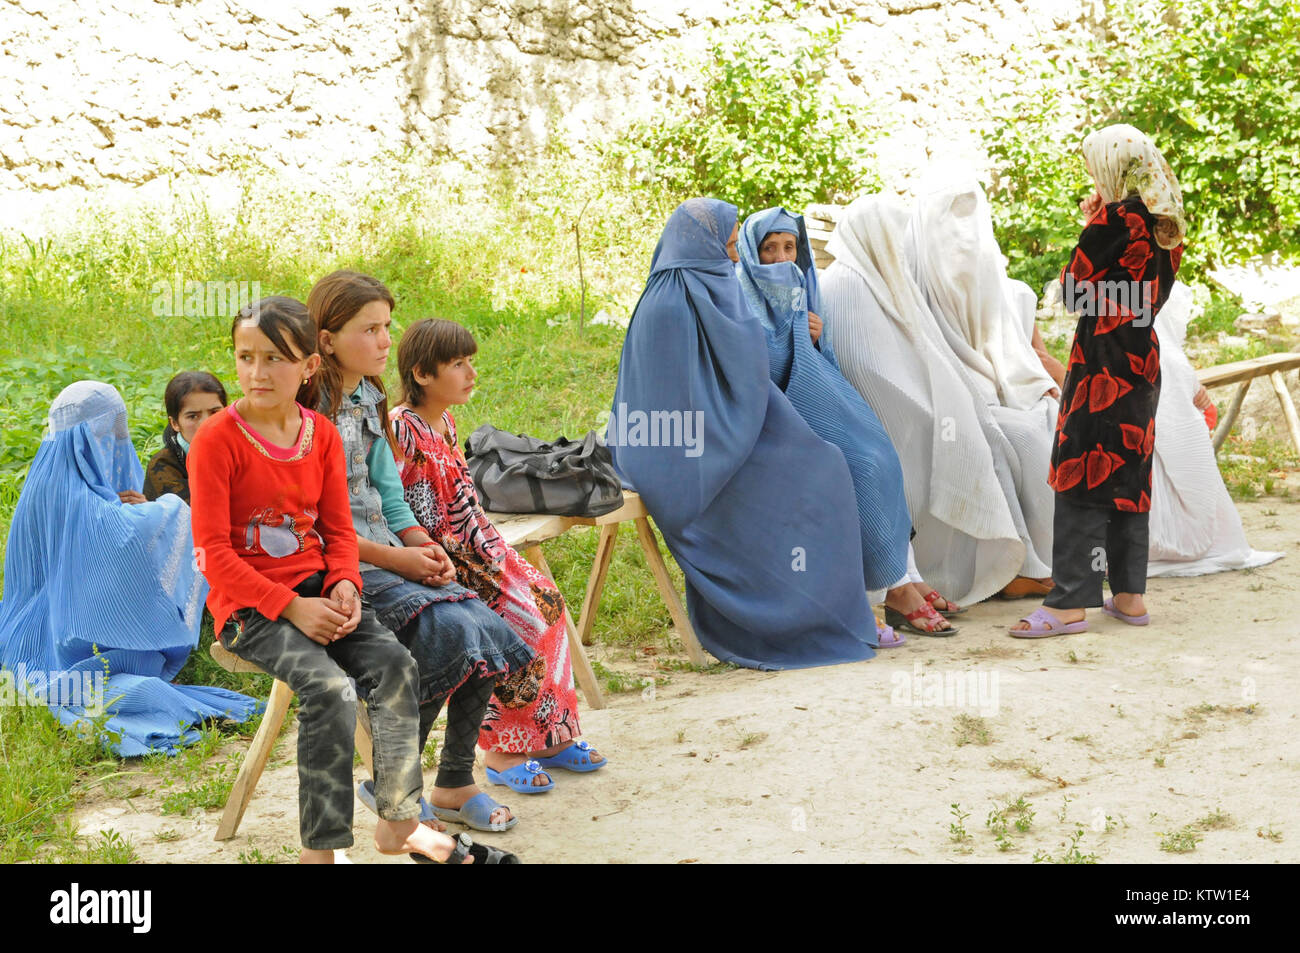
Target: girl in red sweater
274, 534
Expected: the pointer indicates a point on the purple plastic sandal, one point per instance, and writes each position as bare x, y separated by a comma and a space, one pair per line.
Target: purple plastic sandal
1041, 617
1108, 607
889, 637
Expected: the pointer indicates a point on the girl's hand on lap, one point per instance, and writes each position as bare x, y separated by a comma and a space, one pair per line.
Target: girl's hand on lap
131, 496
417, 563
448, 571
347, 600
318, 619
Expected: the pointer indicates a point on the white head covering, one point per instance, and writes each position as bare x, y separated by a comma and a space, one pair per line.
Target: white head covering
893, 347
956, 262
1124, 162
100, 407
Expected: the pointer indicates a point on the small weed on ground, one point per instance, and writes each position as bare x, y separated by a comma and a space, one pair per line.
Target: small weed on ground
971, 730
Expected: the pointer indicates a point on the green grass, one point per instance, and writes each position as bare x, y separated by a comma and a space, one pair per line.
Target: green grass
1259, 468
497, 255
36, 789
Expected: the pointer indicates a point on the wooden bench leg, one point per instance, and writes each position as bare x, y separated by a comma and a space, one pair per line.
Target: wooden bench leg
582, 671
596, 582
1230, 418
364, 742
1288, 407
681, 621
277, 706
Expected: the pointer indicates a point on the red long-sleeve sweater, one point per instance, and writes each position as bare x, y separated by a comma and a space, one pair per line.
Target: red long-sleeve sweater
262, 525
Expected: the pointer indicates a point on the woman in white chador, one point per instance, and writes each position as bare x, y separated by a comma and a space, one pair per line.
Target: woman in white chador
987, 323
1195, 529
968, 542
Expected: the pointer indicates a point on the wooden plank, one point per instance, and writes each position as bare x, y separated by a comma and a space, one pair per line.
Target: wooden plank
232, 662
582, 670
277, 706
521, 530
364, 742
1247, 370
632, 508
681, 621
1288, 406
596, 582
1230, 418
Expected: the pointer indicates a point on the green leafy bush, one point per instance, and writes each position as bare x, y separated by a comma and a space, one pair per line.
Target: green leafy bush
1038, 175
762, 127
1213, 82
1217, 84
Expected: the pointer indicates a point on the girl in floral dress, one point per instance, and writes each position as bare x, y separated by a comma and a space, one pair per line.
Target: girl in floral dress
1118, 278
532, 720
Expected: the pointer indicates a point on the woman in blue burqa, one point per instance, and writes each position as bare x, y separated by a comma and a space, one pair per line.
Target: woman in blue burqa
102, 602
779, 282
756, 508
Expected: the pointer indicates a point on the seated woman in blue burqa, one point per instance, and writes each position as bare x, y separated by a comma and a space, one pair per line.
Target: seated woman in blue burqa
759, 511
102, 602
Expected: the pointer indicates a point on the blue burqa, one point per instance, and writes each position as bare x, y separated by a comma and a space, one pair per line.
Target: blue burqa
102, 603
753, 505
780, 295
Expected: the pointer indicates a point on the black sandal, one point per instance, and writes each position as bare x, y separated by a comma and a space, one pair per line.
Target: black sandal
465, 847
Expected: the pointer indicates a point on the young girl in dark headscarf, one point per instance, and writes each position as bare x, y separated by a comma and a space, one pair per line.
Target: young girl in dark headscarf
191, 398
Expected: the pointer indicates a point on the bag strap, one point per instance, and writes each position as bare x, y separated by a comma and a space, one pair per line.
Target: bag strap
535, 490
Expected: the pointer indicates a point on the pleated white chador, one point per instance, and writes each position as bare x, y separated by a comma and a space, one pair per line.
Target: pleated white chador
968, 544
988, 323
1195, 529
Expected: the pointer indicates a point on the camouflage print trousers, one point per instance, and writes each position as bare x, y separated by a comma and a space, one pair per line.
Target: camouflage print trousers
370, 664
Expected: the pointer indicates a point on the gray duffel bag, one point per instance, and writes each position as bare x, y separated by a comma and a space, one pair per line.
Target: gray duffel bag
516, 473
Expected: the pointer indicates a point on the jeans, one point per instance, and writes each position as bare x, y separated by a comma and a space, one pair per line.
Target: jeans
462, 648
385, 676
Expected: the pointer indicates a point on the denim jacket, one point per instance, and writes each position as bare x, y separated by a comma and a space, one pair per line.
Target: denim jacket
359, 425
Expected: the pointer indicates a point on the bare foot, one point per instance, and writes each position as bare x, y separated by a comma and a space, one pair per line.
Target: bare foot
411, 837
455, 798
1130, 603
1064, 616
316, 856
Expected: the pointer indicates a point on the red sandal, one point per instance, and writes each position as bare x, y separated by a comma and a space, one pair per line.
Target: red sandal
926, 611
953, 609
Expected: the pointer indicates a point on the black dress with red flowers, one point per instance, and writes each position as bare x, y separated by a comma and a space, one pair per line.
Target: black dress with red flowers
1118, 278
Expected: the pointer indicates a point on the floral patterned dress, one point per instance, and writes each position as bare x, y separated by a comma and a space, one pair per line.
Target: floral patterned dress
1118, 278
536, 707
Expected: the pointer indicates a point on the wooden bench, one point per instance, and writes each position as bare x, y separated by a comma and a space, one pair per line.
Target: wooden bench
528, 531
1244, 372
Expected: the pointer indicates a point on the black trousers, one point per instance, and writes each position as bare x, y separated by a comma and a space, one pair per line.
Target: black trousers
1090, 542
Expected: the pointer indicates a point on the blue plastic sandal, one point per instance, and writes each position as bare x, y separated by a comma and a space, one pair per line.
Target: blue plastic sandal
476, 813
366, 795
574, 758
520, 778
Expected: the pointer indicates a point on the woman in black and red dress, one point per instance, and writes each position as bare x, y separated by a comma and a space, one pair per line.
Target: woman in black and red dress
1118, 278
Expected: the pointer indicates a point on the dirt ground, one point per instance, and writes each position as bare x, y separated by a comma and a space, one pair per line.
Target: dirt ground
1131, 736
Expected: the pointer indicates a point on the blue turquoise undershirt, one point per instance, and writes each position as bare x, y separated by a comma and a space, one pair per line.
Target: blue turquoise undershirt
384, 478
